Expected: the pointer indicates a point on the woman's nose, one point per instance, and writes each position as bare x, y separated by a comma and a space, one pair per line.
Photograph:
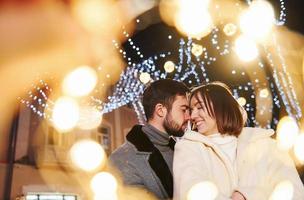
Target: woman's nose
193, 114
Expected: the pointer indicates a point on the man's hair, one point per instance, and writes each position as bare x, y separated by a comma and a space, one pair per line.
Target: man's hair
221, 105
164, 92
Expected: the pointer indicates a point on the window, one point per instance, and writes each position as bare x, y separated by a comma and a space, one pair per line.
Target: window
104, 137
49, 196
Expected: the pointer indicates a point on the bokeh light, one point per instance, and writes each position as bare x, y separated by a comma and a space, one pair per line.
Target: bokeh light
89, 118
230, 29
94, 15
169, 66
246, 48
264, 93
196, 49
299, 148
104, 186
283, 191
144, 77
241, 101
65, 113
206, 189
80, 82
87, 155
257, 21
287, 132
193, 18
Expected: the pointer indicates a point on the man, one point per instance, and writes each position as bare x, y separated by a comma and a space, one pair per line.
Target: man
146, 158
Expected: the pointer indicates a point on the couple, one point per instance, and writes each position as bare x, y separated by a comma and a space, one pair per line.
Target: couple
243, 163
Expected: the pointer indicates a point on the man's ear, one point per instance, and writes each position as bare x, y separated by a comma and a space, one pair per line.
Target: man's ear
160, 110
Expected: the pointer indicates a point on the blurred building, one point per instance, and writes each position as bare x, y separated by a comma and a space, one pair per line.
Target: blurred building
42, 163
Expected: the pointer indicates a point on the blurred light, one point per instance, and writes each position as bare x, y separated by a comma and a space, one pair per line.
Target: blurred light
287, 132
169, 66
193, 18
65, 113
104, 186
196, 49
282, 191
264, 93
241, 101
257, 21
80, 82
206, 189
299, 148
230, 29
93, 15
89, 118
87, 155
144, 77
195, 25
106, 197
246, 49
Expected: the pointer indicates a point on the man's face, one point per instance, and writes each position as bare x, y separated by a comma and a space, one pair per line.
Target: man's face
177, 118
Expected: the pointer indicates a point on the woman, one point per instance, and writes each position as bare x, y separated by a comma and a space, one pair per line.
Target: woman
243, 163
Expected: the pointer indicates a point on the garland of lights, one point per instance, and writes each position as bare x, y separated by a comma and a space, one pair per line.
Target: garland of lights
129, 88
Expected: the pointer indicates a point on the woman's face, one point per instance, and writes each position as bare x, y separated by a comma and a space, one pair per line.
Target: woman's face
204, 123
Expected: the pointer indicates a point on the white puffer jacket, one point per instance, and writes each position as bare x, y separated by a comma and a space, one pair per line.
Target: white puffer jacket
260, 166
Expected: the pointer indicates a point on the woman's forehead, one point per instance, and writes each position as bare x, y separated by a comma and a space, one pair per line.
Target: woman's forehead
196, 99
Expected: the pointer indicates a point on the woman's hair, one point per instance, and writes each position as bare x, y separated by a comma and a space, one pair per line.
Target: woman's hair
220, 105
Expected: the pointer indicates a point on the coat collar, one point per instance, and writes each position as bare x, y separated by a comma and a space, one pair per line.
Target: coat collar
156, 161
139, 139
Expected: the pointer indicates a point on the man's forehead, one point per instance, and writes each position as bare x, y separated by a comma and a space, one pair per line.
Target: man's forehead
181, 100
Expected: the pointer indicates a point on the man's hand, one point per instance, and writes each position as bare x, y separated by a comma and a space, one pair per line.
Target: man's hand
237, 196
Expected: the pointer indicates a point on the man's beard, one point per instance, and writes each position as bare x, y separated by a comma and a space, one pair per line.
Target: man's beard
172, 128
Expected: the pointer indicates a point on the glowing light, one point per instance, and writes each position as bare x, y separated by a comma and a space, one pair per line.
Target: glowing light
287, 132
257, 25
89, 118
104, 186
299, 148
144, 77
230, 29
205, 189
241, 101
197, 49
246, 49
264, 93
87, 155
193, 18
169, 66
65, 114
94, 15
80, 82
283, 191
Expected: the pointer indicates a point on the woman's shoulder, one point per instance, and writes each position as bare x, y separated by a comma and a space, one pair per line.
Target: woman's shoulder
191, 140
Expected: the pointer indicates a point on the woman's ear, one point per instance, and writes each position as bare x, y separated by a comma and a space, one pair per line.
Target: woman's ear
160, 110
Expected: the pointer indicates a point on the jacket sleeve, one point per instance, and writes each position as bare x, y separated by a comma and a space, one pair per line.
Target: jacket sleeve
126, 169
188, 169
280, 168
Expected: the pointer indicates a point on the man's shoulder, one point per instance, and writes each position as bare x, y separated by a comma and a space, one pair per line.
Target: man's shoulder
126, 150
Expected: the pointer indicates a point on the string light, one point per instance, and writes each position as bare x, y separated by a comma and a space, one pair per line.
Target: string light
191, 70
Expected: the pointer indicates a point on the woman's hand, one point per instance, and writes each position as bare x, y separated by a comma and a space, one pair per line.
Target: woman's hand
237, 196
